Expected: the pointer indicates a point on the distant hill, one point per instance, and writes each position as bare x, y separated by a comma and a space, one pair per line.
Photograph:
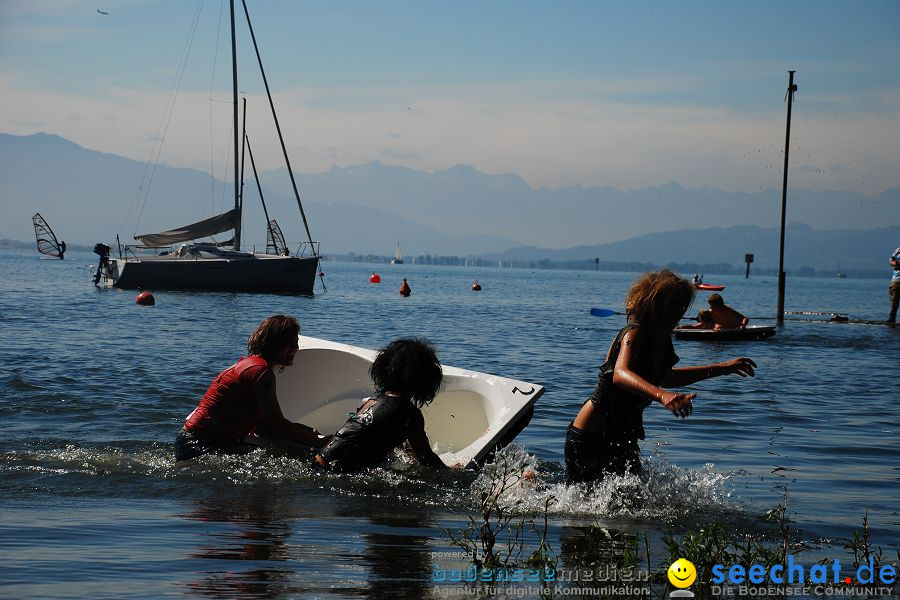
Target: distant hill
462, 199
89, 196
838, 250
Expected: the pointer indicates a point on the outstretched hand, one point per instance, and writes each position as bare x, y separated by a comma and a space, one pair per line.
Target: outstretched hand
742, 366
681, 405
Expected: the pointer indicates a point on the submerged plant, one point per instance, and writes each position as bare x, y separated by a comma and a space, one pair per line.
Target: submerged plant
494, 539
504, 535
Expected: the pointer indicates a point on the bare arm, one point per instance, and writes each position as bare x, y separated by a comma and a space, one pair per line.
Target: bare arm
625, 378
271, 421
739, 318
418, 439
687, 375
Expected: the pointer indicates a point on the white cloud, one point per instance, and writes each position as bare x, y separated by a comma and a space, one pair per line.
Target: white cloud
553, 135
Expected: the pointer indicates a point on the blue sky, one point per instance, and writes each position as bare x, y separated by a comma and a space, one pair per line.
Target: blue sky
627, 94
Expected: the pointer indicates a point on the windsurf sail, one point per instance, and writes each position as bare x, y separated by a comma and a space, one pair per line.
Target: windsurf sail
275, 243
46, 240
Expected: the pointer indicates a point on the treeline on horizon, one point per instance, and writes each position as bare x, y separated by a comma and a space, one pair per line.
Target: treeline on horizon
591, 264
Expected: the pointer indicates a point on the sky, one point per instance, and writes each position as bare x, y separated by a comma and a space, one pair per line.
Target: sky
625, 94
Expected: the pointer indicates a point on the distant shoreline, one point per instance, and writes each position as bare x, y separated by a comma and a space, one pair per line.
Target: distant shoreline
587, 264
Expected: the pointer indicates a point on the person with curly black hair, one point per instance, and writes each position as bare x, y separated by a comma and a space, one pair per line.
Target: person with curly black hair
407, 377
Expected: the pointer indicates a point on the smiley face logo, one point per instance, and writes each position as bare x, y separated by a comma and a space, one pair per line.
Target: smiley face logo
682, 573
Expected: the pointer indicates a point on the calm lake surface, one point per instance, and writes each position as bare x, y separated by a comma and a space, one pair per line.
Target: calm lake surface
94, 389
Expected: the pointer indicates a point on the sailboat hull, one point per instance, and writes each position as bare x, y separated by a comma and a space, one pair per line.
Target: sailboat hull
245, 273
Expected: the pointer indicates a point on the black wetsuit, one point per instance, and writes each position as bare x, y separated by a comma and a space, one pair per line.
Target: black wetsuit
368, 437
614, 447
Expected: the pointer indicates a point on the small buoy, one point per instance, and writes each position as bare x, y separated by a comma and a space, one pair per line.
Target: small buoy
404, 289
375, 278
476, 287
145, 299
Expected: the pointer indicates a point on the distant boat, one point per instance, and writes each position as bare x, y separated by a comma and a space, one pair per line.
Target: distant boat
207, 265
709, 287
398, 256
46, 240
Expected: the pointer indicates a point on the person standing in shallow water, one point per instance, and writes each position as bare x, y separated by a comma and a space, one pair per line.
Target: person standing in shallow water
242, 399
894, 288
603, 437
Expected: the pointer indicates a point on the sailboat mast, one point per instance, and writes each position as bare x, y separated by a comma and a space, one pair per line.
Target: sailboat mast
287, 161
243, 151
234, 85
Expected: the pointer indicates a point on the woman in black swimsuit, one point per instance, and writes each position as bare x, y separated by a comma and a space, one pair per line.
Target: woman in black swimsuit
604, 436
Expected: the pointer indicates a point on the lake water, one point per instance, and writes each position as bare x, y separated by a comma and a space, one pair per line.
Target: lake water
95, 388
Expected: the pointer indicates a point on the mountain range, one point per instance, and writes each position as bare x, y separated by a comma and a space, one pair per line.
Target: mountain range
89, 196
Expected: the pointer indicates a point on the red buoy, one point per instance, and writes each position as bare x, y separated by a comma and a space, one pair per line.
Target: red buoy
404, 289
476, 287
375, 278
145, 299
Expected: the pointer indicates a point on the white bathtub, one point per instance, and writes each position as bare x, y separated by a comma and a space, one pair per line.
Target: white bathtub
473, 413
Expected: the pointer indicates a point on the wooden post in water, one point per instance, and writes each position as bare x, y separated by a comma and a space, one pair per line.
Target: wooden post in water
787, 146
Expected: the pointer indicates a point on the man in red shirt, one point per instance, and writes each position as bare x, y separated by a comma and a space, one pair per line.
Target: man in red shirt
242, 399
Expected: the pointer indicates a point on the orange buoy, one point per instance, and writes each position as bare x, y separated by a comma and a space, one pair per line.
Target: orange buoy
375, 278
404, 289
476, 287
145, 299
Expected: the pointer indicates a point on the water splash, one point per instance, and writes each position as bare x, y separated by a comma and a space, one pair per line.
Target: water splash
662, 492
527, 484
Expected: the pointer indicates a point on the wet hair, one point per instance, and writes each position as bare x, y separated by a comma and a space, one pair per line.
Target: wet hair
705, 316
272, 336
652, 294
715, 300
408, 367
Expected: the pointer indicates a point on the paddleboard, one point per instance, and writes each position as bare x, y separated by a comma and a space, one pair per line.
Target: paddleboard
708, 287
751, 332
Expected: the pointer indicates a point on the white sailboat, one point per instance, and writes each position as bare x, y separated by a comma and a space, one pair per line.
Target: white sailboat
198, 265
398, 256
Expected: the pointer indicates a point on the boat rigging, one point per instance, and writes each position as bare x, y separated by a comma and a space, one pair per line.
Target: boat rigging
206, 265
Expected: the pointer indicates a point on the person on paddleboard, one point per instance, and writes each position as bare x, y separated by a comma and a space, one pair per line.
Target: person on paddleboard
725, 316
603, 437
242, 400
407, 377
